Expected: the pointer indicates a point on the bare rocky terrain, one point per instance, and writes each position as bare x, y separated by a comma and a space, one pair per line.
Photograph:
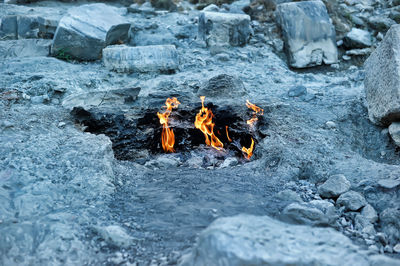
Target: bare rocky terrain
84, 179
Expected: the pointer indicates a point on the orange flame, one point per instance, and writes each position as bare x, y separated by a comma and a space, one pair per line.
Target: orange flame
168, 136
227, 135
248, 152
205, 124
256, 110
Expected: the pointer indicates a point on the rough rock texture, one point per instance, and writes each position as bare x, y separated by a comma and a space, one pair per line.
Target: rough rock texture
369, 213
224, 29
394, 131
357, 38
24, 48
260, 240
382, 79
390, 222
223, 85
308, 33
334, 186
8, 28
87, 29
150, 58
352, 200
316, 212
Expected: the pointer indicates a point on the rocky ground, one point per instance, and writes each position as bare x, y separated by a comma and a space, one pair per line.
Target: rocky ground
84, 179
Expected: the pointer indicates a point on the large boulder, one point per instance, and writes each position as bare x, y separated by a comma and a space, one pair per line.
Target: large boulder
152, 58
85, 30
261, 240
224, 29
382, 79
309, 35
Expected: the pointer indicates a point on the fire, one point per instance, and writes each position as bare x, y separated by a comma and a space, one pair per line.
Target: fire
227, 135
167, 136
248, 152
205, 124
256, 110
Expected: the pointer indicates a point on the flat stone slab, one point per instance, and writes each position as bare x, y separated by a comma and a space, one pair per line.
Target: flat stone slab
309, 36
382, 79
224, 29
261, 240
24, 48
150, 58
85, 30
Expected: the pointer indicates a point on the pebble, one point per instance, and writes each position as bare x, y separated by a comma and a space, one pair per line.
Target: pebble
397, 248
330, 124
61, 124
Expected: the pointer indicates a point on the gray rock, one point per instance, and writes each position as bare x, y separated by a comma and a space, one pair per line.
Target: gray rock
211, 8
364, 51
85, 30
223, 85
288, 195
229, 162
253, 240
380, 23
382, 79
297, 91
334, 186
369, 213
28, 27
104, 98
145, 8
24, 48
357, 38
308, 33
115, 234
396, 248
390, 223
316, 212
224, 29
150, 58
388, 183
363, 225
394, 131
382, 260
352, 200
8, 28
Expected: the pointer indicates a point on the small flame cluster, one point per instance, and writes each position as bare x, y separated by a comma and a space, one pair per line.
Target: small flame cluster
203, 122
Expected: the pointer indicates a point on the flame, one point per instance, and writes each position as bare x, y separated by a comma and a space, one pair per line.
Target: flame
168, 136
248, 152
256, 110
227, 135
205, 124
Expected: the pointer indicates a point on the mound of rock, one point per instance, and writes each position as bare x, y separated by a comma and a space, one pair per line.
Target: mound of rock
85, 30
309, 35
222, 86
261, 240
382, 79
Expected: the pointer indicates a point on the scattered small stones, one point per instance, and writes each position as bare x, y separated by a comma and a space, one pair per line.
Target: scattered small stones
352, 200
224, 29
308, 33
152, 58
334, 186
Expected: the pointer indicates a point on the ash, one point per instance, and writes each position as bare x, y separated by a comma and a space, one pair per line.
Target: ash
83, 176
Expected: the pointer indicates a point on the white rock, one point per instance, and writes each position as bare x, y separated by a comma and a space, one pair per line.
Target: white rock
115, 235
394, 131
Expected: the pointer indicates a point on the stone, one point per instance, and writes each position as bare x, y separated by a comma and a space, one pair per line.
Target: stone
380, 23
382, 260
330, 124
8, 28
364, 51
297, 91
85, 30
309, 35
144, 8
211, 8
357, 38
363, 225
151, 58
24, 48
288, 195
115, 234
396, 248
261, 240
390, 223
334, 186
388, 183
229, 162
351, 200
224, 29
223, 86
382, 79
104, 98
369, 213
28, 27
316, 212
394, 131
